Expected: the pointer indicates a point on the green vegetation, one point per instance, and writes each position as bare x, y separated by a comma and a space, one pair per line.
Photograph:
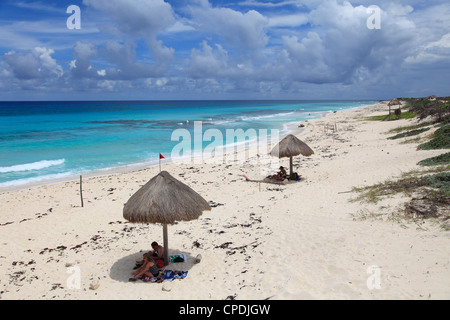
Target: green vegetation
404, 115
435, 161
374, 193
437, 108
440, 140
440, 181
413, 127
409, 133
430, 195
428, 190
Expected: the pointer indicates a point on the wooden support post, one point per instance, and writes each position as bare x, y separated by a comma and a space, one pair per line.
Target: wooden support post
291, 167
81, 190
166, 245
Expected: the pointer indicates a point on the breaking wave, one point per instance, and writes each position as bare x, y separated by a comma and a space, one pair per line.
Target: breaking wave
32, 166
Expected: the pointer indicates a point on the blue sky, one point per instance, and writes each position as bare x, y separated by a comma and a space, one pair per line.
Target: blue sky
213, 49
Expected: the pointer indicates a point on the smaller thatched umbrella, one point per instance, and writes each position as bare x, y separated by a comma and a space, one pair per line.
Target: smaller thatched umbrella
290, 147
164, 200
394, 102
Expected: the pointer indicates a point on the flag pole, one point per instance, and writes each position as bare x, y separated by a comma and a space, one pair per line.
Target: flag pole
160, 157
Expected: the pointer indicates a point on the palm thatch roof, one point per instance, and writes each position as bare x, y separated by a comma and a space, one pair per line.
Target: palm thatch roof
291, 146
164, 200
394, 102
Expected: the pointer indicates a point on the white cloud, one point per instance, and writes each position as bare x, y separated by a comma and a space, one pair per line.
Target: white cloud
244, 31
444, 42
137, 17
81, 65
432, 52
161, 82
228, 48
126, 65
291, 20
141, 18
305, 59
36, 5
207, 62
34, 64
253, 3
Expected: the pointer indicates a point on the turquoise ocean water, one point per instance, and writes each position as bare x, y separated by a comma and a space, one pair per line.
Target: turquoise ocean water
41, 141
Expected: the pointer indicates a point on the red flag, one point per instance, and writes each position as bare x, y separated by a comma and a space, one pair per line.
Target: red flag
161, 156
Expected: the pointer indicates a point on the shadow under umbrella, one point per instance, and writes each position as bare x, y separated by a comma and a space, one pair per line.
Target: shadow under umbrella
122, 269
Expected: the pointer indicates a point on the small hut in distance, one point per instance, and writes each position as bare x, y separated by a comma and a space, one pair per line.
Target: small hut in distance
397, 111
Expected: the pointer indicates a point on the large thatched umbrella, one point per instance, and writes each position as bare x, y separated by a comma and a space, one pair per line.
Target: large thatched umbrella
164, 200
290, 147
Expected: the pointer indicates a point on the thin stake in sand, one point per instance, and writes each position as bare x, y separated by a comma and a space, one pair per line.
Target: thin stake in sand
81, 190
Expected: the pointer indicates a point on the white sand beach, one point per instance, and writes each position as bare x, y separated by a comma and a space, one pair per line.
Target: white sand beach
299, 241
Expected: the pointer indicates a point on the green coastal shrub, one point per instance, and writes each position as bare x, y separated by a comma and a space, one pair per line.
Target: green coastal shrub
439, 181
404, 115
440, 140
409, 133
436, 161
436, 109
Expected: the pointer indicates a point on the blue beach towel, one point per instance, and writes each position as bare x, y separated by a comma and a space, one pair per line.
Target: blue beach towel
167, 275
171, 275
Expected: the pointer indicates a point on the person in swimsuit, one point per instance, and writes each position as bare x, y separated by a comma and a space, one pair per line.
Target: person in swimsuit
281, 175
158, 251
156, 254
149, 268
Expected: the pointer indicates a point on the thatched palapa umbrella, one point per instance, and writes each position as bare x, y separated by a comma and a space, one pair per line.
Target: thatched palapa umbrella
290, 147
164, 200
394, 102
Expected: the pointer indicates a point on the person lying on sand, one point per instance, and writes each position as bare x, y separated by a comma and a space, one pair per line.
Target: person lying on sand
281, 175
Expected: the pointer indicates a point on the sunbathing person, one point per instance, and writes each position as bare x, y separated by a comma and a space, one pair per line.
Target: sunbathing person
158, 251
281, 175
156, 254
149, 268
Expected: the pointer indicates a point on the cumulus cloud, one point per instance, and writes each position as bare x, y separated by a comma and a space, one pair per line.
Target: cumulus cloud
344, 49
81, 66
258, 47
34, 64
140, 18
290, 20
207, 62
127, 66
244, 31
431, 36
304, 59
